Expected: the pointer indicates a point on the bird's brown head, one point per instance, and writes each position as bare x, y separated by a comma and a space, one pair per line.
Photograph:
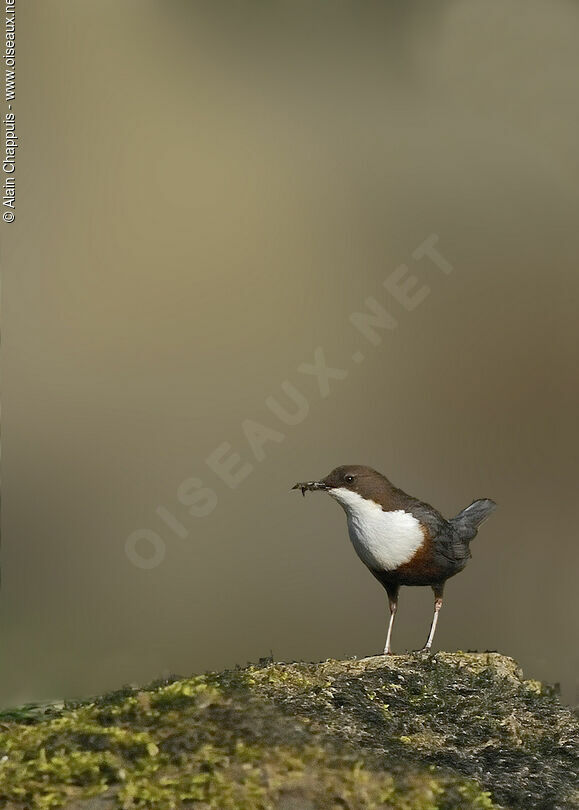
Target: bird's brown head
354, 477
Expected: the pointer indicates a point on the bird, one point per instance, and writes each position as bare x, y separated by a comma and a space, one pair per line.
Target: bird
400, 539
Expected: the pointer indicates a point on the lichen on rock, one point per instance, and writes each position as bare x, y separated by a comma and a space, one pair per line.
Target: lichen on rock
442, 732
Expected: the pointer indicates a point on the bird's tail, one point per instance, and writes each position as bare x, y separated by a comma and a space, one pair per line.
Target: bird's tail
468, 521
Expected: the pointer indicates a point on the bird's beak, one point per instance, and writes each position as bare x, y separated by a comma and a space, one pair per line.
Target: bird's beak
310, 486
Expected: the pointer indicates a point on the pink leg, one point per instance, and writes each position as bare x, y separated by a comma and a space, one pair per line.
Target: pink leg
393, 602
438, 589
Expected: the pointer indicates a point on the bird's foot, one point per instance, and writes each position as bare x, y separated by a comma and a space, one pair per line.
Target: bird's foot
423, 651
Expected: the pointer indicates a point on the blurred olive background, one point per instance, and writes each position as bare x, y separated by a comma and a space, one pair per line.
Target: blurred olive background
206, 192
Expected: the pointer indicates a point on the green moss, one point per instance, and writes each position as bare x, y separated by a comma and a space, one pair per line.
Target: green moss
181, 694
399, 733
294, 679
481, 800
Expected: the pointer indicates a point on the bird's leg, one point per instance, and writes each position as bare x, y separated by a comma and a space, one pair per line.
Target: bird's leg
393, 608
438, 589
393, 602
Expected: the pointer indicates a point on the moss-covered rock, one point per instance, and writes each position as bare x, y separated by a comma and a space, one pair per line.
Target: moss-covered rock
459, 730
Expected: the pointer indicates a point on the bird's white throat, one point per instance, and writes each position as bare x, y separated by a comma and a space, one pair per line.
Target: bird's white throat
382, 540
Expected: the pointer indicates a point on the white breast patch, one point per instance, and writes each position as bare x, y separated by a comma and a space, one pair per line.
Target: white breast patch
383, 540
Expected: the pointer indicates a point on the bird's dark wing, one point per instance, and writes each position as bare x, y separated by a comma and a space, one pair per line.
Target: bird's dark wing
449, 548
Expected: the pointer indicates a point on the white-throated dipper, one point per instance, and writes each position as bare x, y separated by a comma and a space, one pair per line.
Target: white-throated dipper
403, 541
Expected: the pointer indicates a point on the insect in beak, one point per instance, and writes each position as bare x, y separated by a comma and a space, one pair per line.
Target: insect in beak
309, 486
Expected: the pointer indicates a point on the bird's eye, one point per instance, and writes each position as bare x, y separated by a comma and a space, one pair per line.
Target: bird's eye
349, 479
